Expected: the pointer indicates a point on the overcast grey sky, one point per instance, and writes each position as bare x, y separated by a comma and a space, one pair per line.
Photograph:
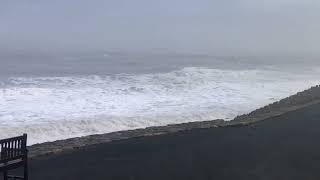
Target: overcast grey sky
215, 26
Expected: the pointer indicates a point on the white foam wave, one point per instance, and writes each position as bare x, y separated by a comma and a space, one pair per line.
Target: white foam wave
51, 108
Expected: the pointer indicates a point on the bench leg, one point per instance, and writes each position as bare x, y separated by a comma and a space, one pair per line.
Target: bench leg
25, 175
5, 175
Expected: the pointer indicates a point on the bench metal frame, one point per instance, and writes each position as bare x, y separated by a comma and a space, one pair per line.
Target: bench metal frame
13, 155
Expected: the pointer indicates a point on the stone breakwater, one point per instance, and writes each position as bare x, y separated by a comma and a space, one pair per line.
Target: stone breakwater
297, 101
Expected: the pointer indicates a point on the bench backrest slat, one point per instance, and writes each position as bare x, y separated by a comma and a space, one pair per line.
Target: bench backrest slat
13, 148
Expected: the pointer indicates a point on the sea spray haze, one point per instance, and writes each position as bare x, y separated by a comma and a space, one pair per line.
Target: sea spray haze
74, 68
62, 97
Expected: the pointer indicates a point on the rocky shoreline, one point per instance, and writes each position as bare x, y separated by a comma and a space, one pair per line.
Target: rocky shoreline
297, 101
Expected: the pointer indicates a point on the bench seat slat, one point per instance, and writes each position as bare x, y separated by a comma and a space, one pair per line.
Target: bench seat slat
11, 165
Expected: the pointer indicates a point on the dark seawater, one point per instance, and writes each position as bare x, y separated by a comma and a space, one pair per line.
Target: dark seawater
63, 96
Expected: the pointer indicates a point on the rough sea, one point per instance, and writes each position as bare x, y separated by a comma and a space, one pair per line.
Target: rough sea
59, 97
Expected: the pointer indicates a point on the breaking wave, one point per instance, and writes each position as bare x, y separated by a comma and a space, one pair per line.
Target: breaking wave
52, 108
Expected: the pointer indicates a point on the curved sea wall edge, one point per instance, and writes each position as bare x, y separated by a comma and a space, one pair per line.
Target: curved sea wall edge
302, 99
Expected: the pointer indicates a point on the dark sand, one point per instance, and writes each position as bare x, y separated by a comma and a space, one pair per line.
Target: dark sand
279, 148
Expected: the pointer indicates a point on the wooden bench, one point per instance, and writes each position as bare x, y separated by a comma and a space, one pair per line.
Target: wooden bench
14, 154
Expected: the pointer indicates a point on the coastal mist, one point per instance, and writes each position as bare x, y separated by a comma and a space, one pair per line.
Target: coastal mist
159, 90
64, 96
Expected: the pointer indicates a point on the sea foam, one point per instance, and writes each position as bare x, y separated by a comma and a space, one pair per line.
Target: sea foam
52, 108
